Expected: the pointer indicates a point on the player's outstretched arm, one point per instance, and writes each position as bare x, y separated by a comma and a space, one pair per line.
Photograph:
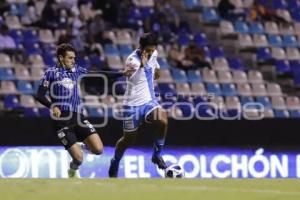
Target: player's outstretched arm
113, 74
156, 74
41, 96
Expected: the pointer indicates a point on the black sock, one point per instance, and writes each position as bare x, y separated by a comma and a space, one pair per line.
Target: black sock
74, 166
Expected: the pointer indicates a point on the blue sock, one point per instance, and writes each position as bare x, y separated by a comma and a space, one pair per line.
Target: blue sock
158, 146
117, 158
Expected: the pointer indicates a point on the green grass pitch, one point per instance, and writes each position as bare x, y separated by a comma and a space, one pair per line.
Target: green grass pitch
154, 189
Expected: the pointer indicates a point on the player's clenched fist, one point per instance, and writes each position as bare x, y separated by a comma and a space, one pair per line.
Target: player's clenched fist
56, 112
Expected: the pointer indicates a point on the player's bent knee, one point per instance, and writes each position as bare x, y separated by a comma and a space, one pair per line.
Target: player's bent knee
98, 150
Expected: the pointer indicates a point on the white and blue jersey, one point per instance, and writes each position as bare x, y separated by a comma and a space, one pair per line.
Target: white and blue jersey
139, 97
63, 88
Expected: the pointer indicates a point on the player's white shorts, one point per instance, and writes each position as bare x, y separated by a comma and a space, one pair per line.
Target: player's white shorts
133, 116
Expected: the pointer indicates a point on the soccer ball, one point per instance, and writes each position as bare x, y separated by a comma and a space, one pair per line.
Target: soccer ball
174, 171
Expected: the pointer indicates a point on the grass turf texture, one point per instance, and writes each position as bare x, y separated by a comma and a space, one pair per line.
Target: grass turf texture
144, 189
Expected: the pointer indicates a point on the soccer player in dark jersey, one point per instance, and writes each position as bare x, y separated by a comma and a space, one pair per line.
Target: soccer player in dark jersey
65, 105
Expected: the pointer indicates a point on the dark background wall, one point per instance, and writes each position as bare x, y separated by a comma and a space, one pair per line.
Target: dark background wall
268, 132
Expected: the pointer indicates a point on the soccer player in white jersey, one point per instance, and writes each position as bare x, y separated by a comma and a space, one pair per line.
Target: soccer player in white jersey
140, 103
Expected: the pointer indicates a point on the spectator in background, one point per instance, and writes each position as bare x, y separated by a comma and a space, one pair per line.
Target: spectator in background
31, 16
192, 57
50, 17
97, 25
97, 59
176, 57
109, 8
260, 12
65, 35
196, 54
228, 11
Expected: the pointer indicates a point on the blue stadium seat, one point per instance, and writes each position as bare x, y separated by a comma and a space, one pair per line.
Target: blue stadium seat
235, 63
125, 49
96, 61
31, 112
246, 99
17, 36
11, 102
194, 76
163, 63
265, 101
293, 4
83, 62
146, 12
214, 88
294, 113
217, 52
32, 48
120, 87
295, 65
186, 109
179, 75
35, 86
111, 50
167, 88
210, 15
296, 15
25, 87
263, 54
282, 66
297, 78
290, 41
256, 28
275, 40
198, 99
7, 74
279, 4
281, 113
49, 59
95, 112
191, 4
241, 27
229, 90
30, 36
18, 9
168, 101
201, 39
231, 113
206, 111
183, 38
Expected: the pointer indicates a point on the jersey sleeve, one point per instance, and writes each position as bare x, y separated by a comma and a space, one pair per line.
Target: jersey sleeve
132, 62
43, 88
82, 70
46, 79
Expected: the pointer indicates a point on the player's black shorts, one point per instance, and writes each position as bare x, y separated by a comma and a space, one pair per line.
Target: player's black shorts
74, 129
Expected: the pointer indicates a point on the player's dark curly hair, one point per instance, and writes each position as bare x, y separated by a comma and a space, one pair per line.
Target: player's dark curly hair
148, 39
63, 48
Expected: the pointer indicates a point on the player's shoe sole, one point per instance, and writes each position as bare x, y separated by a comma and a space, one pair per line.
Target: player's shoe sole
158, 160
113, 168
